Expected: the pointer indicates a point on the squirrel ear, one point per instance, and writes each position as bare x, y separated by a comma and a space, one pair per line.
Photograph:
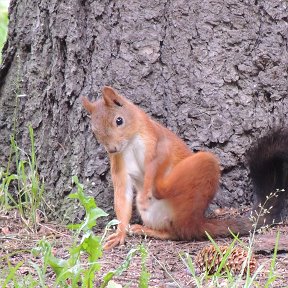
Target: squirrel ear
89, 106
111, 97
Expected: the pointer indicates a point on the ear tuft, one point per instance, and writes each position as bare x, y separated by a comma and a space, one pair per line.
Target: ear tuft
111, 97
89, 106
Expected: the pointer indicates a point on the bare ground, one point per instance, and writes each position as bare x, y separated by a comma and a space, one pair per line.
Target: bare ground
163, 262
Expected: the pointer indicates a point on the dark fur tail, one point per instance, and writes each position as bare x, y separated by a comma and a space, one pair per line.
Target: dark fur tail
268, 164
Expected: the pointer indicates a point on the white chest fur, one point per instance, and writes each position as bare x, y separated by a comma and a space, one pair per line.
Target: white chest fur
134, 156
159, 214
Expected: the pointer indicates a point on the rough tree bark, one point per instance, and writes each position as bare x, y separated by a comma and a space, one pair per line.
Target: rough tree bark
213, 71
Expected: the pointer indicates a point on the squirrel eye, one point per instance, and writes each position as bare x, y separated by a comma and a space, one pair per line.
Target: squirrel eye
119, 121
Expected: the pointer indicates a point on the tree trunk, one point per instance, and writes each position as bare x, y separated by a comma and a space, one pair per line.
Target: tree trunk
215, 72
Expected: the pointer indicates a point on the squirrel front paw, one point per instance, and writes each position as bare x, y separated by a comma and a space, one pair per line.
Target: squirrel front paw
144, 201
117, 238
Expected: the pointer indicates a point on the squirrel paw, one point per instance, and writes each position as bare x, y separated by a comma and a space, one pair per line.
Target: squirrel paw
137, 229
144, 201
113, 240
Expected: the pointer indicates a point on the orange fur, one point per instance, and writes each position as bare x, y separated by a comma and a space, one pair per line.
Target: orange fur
174, 186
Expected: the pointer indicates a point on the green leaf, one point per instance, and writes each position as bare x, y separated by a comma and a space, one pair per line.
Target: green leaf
94, 214
88, 202
74, 226
73, 273
272, 276
144, 275
113, 222
73, 196
75, 180
57, 264
93, 247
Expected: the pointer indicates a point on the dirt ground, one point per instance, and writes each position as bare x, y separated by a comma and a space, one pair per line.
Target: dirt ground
163, 262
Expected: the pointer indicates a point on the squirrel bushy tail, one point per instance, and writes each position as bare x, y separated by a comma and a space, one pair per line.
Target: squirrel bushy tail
268, 164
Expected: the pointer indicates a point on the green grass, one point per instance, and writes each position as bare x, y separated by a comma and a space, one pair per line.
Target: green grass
23, 189
3, 27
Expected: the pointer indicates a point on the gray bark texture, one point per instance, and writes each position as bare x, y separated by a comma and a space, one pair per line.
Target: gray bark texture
215, 72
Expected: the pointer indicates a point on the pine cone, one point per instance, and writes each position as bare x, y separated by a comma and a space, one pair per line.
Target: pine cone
209, 259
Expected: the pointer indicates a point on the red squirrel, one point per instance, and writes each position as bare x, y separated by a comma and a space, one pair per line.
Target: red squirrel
173, 185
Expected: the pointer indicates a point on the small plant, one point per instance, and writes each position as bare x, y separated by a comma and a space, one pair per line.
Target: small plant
24, 189
83, 264
74, 271
145, 275
271, 275
259, 215
84, 255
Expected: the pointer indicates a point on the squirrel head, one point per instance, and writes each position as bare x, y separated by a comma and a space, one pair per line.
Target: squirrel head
113, 119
